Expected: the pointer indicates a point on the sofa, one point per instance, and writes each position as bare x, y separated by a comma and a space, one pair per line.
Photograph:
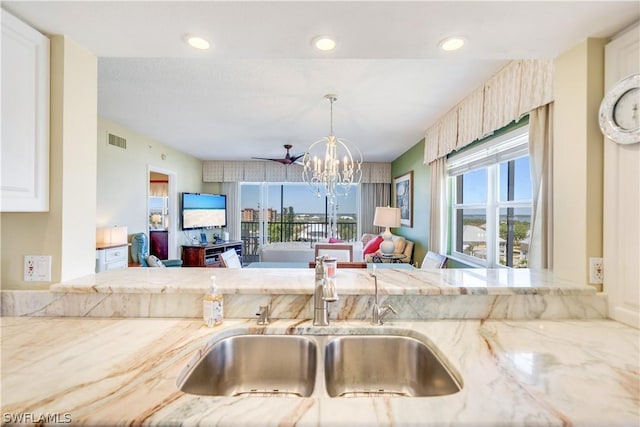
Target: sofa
305, 251
297, 252
400, 246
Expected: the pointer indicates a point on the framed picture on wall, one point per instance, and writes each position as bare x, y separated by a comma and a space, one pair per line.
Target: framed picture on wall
403, 186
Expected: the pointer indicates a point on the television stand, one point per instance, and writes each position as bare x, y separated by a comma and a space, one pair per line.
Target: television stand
208, 255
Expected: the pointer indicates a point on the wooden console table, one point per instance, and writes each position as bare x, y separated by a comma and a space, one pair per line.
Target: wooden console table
208, 255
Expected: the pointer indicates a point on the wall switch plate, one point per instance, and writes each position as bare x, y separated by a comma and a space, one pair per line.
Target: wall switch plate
37, 268
596, 270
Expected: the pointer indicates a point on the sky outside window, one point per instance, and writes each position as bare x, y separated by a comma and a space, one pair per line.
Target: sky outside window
299, 196
475, 183
522, 178
475, 187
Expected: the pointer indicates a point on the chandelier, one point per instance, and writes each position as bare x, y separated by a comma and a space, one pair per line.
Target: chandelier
330, 166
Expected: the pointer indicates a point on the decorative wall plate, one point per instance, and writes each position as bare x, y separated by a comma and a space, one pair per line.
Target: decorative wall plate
620, 111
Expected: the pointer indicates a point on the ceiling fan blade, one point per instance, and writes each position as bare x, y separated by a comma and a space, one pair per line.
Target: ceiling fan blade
282, 161
295, 158
287, 160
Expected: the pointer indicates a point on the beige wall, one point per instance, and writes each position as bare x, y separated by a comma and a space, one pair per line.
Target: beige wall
66, 232
122, 184
80, 80
92, 184
578, 159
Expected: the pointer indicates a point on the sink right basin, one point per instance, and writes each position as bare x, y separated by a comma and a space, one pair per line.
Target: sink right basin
384, 365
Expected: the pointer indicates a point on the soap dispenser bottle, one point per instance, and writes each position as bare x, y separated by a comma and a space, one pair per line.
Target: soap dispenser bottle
212, 308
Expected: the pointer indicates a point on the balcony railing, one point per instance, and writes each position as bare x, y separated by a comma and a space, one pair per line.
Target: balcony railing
290, 232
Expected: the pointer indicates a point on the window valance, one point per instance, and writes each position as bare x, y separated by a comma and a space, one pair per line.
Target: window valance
517, 89
236, 171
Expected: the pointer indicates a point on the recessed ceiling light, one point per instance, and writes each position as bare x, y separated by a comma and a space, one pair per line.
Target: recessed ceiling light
452, 43
198, 42
324, 43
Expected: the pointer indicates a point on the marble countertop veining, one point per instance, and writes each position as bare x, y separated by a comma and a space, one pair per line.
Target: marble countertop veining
123, 372
296, 281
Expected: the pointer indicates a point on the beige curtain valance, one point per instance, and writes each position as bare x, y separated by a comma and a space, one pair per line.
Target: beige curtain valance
236, 171
518, 88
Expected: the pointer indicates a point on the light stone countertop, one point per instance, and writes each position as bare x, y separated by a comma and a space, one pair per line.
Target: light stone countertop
516, 294
123, 372
299, 281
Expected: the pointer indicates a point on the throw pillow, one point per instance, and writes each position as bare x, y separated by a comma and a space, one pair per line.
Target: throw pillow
153, 261
366, 238
399, 243
372, 246
334, 240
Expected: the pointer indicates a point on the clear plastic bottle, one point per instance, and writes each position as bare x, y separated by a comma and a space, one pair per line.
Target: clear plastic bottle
212, 308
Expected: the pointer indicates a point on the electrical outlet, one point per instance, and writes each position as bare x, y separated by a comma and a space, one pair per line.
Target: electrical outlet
37, 268
596, 270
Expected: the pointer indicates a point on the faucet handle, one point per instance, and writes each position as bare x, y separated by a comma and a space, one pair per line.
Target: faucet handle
388, 308
320, 270
379, 313
263, 315
384, 310
329, 292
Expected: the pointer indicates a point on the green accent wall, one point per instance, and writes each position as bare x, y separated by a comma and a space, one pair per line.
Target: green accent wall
412, 160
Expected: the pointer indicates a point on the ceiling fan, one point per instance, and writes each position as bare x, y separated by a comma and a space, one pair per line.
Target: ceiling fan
287, 160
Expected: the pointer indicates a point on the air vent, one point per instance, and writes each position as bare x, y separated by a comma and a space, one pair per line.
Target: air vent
117, 141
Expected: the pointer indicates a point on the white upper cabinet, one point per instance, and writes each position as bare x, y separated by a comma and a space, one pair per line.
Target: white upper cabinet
24, 147
621, 228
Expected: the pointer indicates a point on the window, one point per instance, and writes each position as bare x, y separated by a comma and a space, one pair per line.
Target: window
285, 212
491, 201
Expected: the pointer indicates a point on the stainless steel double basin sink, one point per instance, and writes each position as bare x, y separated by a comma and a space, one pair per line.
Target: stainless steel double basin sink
319, 365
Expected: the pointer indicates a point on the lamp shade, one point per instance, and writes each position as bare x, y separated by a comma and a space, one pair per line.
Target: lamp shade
387, 217
111, 236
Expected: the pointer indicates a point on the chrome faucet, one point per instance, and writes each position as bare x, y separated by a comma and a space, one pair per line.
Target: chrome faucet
263, 315
378, 313
325, 292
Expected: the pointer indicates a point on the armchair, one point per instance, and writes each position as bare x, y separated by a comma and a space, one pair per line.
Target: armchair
140, 252
433, 260
230, 259
401, 246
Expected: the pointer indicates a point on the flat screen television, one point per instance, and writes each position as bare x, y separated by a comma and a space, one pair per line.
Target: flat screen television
203, 210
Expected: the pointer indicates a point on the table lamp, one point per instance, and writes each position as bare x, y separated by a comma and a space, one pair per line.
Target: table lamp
386, 217
111, 236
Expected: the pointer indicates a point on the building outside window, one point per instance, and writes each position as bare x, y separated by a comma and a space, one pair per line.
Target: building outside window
491, 201
287, 212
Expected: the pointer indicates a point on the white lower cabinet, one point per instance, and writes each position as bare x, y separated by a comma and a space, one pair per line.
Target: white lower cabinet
113, 258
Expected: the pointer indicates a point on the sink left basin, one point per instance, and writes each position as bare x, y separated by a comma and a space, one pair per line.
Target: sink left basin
258, 365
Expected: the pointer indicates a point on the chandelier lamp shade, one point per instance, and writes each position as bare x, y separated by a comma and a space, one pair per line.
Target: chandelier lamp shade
386, 217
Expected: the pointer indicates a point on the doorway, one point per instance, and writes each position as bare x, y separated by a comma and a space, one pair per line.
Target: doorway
161, 213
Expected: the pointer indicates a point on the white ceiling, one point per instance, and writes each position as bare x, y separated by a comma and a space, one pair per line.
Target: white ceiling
262, 84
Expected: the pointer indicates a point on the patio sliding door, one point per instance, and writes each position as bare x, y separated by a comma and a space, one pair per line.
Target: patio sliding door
285, 212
